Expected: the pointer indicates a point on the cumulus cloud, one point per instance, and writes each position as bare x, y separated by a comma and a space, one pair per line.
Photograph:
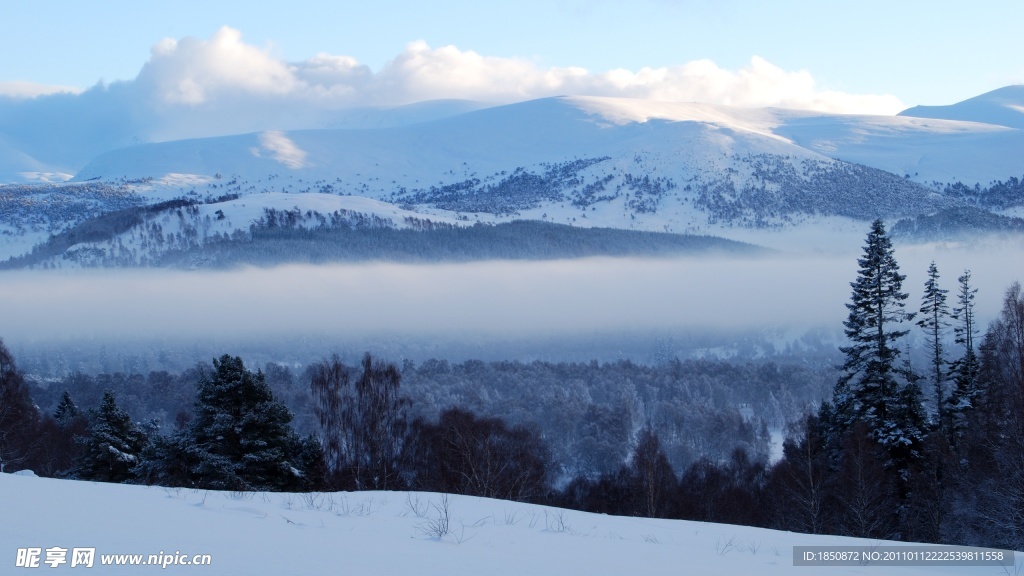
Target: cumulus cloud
194, 87
193, 72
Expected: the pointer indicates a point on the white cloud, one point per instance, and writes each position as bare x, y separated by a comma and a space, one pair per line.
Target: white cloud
193, 72
194, 88
19, 89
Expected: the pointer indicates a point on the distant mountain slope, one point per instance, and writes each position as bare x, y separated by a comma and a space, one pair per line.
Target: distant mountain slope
929, 151
1001, 107
616, 162
393, 116
16, 165
411, 146
62, 133
589, 162
275, 228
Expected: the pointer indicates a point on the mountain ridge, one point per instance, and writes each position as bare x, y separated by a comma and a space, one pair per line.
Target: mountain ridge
1002, 107
593, 162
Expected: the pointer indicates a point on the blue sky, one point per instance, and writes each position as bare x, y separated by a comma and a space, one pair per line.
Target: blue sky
917, 52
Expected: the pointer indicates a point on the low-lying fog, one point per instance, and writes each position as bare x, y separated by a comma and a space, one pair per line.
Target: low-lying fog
513, 299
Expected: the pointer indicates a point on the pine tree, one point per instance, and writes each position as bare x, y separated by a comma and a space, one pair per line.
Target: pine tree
241, 438
965, 370
114, 444
934, 321
908, 426
64, 437
66, 410
868, 390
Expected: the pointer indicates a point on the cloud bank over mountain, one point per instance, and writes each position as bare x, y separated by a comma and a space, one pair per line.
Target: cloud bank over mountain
196, 87
194, 72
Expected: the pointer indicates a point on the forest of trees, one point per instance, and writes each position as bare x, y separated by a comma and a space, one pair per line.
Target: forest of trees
932, 454
288, 236
780, 192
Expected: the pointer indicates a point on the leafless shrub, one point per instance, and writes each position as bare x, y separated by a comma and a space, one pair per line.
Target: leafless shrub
288, 500
440, 525
416, 505
557, 522
512, 518
723, 547
313, 500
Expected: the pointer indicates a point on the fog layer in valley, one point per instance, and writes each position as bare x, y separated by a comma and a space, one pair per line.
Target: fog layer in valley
513, 299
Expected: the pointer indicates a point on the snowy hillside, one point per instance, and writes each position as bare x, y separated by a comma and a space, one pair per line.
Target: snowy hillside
617, 163
386, 533
590, 162
13, 162
139, 235
553, 130
1002, 107
931, 152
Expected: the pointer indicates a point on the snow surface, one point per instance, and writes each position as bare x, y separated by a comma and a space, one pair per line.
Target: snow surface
623, 111
379, 155
926, 150
1003, 107
387, 533
484, 141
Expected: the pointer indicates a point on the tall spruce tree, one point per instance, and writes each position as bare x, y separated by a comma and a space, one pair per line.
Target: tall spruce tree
869, 390
934, 320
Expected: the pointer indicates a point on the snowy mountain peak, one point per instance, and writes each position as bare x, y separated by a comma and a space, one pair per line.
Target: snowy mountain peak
1002, 107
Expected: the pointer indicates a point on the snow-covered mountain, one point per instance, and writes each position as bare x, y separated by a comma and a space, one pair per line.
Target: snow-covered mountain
1001, 107
71, 137
583, 161
688, 139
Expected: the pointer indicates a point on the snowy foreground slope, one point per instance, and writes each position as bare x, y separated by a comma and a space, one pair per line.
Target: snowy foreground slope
384, 533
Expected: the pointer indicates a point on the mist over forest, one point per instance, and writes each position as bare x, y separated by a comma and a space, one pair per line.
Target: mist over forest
605, 309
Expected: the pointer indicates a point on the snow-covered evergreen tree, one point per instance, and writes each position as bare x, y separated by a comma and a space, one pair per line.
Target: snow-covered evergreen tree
113, 446
868, 384
934, 314
873, 389
66, 410
241, 438
965, 370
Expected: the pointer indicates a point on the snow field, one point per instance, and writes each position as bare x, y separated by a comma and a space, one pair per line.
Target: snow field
387, 533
